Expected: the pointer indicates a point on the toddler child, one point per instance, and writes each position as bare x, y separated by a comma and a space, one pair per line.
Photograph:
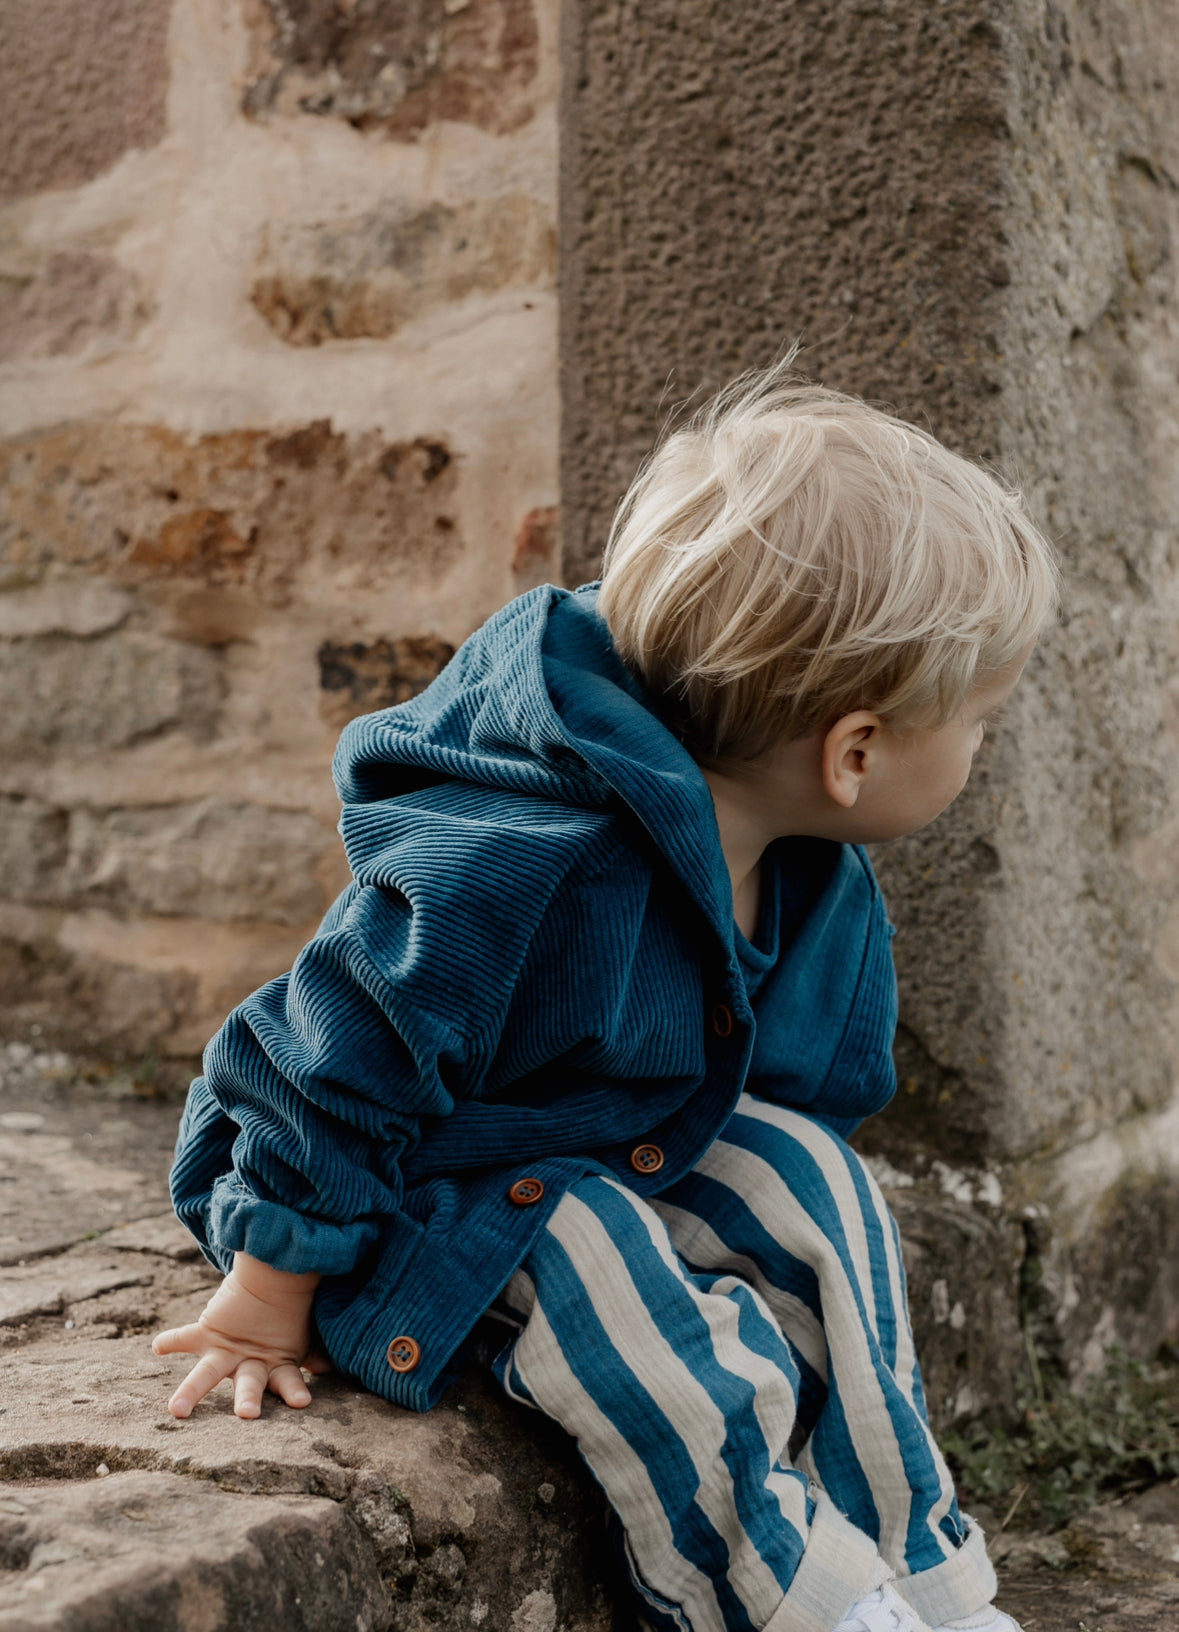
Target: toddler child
585, 1036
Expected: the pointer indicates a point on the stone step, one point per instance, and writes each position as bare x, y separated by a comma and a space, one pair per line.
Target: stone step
148, 1552
350, 1516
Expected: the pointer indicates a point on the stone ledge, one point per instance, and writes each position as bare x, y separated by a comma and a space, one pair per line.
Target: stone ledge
158, 1550
458, 1519
116, 1518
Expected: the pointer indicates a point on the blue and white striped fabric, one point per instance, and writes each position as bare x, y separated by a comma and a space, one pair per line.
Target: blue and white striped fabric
735, 1360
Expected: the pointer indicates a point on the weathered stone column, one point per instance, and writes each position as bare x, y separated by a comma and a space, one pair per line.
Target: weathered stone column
968, 211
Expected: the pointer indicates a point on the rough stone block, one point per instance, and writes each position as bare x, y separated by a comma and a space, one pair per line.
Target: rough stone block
476, 1513
1033, 1010
367, 276
1071, 1253
63, 606
87, 696
395, 67
154, 1552
205, 860
1102, 1228
261, 511
733, 181
66, 302
356, 677
87, 1003
34, 839
134, 988
963, 1261
1040, 1002
79, 85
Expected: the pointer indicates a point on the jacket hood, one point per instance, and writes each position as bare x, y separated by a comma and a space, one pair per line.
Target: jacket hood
538, 702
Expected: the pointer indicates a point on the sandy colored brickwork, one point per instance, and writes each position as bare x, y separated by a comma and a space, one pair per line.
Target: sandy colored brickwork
277, 430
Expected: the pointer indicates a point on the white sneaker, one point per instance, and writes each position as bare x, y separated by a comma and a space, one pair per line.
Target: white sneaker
987, 1619
881, 1611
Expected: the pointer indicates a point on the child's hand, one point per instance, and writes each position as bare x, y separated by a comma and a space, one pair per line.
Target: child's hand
256, 1328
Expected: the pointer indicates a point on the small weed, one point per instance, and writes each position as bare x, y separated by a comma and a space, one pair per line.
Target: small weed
1068, 1449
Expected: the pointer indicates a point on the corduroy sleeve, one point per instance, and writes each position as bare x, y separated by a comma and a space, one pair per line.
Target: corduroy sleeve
313, 1090
319, 1086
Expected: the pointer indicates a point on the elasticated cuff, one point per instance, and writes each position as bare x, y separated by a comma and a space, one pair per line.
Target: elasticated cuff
956, 1588
238, 1221
839, 1566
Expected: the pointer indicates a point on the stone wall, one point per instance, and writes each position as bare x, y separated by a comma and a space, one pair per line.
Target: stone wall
968, 211
277, 430
278, 409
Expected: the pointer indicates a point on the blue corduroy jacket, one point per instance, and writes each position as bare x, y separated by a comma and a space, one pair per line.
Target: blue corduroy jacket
532, 973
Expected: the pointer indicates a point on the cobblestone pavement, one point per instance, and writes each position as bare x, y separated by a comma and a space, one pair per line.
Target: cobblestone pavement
352, 1515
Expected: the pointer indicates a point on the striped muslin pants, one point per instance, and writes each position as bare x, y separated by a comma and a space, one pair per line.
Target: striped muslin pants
735, 1360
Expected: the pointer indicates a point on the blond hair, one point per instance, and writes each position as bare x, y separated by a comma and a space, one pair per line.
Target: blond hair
792, 555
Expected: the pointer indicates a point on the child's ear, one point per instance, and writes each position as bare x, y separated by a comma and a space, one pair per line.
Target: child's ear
848, 756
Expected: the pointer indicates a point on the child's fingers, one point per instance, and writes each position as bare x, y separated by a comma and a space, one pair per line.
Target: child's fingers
205, 1375
249, 1385
180, 1340
317, 1363
287, 1382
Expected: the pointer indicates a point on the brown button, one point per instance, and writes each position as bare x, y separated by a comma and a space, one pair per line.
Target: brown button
722, 1021
403, 1354
525, 1191
646, 1158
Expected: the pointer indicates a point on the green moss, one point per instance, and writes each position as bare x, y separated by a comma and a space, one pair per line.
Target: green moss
1067, 1450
